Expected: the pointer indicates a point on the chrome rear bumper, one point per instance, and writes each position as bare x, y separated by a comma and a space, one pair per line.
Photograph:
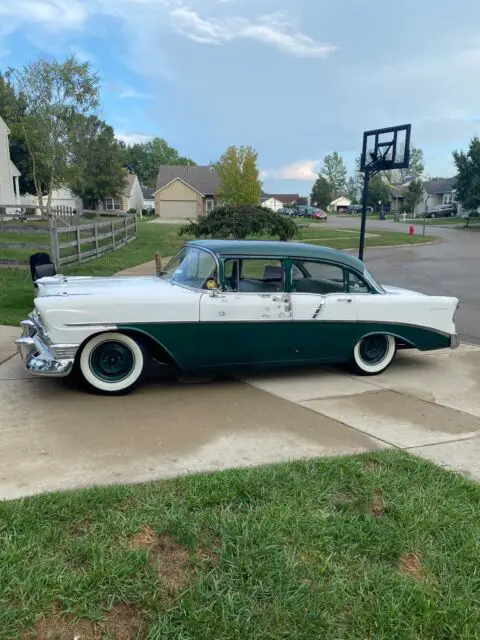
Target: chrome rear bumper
53, 360
454, 341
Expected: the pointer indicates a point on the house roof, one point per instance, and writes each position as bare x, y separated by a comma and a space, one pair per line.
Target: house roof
278, 249
3, 126
439, 186
286, 198
15, 172
397, 191
148, 193
341, 200
129, 182
202, 178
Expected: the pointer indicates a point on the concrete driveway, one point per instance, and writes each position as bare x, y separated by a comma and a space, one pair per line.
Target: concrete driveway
53, 436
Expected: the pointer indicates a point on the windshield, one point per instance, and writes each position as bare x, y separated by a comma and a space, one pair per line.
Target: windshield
191, 267
372, 281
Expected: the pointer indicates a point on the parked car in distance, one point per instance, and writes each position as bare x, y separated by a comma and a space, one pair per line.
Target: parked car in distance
286, 211
303, 211
319, 215
223, 305
448, 210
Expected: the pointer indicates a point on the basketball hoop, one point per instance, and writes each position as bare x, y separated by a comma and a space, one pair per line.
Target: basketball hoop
383, 150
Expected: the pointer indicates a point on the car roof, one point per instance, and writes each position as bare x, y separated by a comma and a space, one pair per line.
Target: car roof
278, 249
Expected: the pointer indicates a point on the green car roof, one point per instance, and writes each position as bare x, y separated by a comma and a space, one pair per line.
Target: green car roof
277, 249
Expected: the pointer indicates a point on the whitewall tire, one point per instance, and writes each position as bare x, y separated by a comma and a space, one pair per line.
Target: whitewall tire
373, 354
112, 363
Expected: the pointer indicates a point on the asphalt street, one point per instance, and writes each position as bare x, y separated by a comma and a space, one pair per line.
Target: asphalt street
450, 267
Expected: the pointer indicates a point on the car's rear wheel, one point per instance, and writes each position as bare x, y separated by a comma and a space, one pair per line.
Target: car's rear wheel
112, 363
373, 354
433, 215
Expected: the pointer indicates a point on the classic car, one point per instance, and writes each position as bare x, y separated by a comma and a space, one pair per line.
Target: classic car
222, 305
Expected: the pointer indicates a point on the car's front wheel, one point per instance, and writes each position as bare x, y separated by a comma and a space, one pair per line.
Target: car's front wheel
112, 363
373, 354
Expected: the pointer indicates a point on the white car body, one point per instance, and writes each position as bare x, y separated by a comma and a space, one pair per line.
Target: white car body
198, 328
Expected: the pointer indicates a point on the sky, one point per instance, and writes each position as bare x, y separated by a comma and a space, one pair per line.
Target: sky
295, 79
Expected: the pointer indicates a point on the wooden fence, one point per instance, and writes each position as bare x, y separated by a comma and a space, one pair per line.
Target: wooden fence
67, 243
88, 241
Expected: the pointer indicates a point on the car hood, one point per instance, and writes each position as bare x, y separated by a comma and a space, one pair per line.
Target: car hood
399, 291
92, 285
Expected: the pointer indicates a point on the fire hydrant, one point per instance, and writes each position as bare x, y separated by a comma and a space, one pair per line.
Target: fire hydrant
412, 230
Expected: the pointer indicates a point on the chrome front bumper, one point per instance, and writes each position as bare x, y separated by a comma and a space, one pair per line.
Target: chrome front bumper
454, 341
40, 358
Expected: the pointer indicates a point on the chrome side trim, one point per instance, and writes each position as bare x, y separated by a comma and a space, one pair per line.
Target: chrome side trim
107, 327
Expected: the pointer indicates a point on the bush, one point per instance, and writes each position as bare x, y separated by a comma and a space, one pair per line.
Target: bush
132, 210
148, 212
240, 221
89, 215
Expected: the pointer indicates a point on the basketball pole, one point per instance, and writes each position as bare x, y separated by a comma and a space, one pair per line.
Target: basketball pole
366, 181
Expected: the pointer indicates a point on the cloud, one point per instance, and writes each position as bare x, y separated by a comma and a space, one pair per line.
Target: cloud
133, 138
273, 29
303, 170
53, 15
127, 93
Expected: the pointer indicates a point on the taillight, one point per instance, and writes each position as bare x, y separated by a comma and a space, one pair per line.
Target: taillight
455, 313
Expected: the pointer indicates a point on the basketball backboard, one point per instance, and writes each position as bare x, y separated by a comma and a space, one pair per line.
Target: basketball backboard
385, 149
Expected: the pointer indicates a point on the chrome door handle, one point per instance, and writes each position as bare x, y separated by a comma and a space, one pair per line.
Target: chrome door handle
344, 299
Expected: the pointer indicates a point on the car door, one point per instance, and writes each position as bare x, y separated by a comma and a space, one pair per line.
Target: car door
324, 311
249, 320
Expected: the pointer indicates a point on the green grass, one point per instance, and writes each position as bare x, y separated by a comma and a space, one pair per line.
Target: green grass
380, 546
16, 291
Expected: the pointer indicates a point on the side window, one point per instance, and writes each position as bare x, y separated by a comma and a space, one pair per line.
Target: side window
357, 284
317, 277
254, 275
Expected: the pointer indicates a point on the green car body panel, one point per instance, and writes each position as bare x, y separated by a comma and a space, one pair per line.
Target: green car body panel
221, 345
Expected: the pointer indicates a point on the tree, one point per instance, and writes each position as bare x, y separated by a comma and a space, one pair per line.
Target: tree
414, 195
145, 158
238, 221
54, 93
321, 195
468, 175
239, 176
99, 155
378, 191
352, 190
11, 110
335, 173
414, 171
302, 201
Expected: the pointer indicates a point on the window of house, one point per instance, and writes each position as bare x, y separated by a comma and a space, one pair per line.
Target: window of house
254, 275
113, 204
209, 204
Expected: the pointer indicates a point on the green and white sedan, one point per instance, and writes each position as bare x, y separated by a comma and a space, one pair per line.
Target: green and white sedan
227, 305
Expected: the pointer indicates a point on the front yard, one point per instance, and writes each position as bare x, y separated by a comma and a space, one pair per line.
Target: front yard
380, 546
16, 291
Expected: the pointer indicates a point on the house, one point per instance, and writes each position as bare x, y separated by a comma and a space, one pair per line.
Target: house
276, 201
131, 196
339, 204
439, 191
9, 174
148, 198
185, 191
61, 197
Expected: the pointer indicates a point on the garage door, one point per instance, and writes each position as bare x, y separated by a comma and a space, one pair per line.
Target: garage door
178, 208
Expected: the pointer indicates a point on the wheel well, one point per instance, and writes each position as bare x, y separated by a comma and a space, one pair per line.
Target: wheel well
156, 350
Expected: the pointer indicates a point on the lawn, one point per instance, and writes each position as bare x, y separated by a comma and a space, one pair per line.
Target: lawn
380, 546
16, 291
